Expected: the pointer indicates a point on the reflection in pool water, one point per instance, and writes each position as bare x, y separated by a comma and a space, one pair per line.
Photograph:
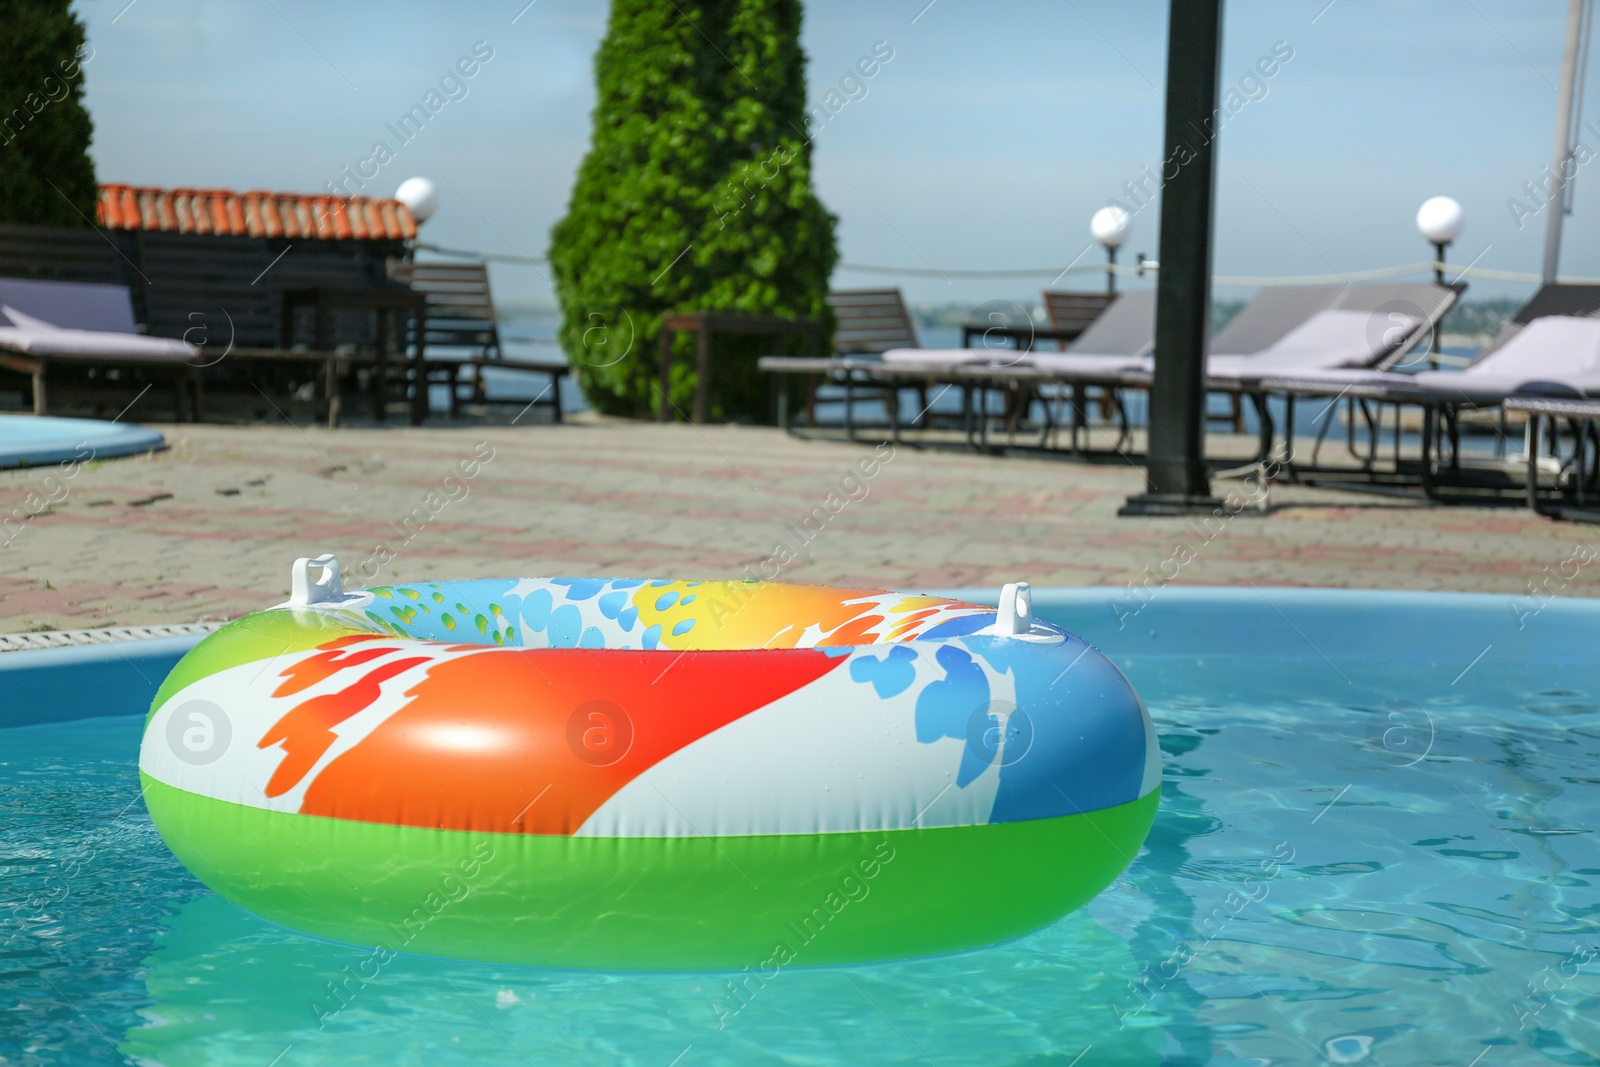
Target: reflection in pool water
226, 990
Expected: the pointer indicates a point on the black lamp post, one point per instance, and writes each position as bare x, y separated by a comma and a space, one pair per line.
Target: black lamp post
1111, 226
1176, 481
1440, 220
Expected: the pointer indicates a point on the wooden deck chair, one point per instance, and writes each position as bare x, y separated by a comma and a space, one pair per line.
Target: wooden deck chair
461, 336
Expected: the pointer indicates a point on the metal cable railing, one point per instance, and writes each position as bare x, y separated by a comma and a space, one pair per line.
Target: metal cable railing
1456, 271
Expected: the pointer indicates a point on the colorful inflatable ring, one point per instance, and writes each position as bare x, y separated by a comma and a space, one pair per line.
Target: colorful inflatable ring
649, 774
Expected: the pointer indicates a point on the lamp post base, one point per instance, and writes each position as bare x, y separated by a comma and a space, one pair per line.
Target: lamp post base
1156, 504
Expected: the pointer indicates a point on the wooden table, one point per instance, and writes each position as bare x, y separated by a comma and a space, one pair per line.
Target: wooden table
325, 298
703, 324
328, 367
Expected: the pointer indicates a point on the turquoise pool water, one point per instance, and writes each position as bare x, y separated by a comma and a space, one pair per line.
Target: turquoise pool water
1376, 845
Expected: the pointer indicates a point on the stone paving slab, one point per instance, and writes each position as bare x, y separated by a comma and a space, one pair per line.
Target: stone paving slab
206, 531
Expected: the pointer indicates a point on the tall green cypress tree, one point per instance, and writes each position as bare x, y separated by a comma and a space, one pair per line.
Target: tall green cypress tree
46, 176
695, 195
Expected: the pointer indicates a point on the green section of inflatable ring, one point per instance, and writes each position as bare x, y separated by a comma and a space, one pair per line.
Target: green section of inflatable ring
262, 635
650, 903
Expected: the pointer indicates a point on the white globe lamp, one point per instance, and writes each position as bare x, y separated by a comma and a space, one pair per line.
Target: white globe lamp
1111, 226
1440, 220
420, 196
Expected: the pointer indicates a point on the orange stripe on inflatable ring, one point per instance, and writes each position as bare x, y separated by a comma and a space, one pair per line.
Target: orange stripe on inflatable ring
306, 732
334, 657
507, 741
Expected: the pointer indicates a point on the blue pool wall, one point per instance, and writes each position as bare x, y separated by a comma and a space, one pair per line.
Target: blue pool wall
56, 685
86, 681
1193, 621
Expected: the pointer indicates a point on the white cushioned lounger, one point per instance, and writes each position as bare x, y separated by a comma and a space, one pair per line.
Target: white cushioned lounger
1327, 340
78, 320
1123, 332
1556, 353
38, 338
1086, 365
1557, 350
953, 357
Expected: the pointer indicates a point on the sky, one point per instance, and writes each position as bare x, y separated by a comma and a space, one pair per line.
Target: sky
986, 143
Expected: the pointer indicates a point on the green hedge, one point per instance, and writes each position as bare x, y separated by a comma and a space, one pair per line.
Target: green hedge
695, 195
46, 176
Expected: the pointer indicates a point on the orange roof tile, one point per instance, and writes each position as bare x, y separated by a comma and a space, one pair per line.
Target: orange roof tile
254, 214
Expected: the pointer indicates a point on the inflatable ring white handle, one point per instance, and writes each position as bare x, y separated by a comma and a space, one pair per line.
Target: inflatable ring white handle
1014, 617
329, 587
1015, 611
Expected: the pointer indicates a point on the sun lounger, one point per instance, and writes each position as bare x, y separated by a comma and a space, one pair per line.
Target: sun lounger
949, 357
1074, 312
76, 320
1401, 315
1091, 327
1116, 341
1572, 490
1554, 352
1557, 298
1395, 318
1558, 352
1329, 339
867, 323
1329, 342
1548, 356
262, 353
461, 337
48, 323
40, 338
1279, 332
1070, 314
1274, 312
879, 353
1125, 331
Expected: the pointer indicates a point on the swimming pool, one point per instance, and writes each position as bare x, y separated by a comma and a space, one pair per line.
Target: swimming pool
1375, 846
37, 441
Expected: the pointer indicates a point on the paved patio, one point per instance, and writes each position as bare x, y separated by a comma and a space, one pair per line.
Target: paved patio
206, 531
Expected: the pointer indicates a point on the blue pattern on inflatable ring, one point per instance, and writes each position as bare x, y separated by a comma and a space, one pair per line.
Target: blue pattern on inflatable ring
1087, 753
